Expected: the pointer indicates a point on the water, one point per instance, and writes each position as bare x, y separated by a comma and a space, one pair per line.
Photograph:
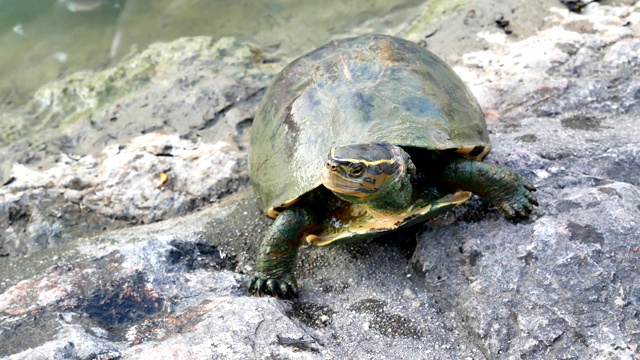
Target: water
43, 40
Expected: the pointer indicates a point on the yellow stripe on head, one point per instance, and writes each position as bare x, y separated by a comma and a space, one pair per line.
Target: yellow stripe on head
360, 170
370, 162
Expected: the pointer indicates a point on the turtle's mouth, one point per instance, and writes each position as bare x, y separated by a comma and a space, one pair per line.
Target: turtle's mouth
342, 186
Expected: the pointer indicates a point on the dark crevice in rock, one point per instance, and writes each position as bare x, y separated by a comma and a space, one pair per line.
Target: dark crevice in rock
385, 323
208, 123
301, 344
200, 255
312, 315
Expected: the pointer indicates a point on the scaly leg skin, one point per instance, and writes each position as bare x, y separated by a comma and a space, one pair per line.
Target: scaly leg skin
509, 191
278, 252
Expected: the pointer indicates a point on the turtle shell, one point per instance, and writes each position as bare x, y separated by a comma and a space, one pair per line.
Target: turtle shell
365, 89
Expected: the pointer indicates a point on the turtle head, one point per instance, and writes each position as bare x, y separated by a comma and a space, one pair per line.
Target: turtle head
376, 175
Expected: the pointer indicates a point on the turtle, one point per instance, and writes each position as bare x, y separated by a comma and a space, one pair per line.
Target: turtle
363, 136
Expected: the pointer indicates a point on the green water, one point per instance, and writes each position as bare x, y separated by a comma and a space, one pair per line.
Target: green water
42, 40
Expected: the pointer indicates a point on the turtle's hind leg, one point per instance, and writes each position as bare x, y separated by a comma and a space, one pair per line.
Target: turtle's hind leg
278, 252
509, 191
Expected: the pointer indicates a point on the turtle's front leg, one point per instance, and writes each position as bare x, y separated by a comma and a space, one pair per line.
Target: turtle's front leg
278, 252
500, 186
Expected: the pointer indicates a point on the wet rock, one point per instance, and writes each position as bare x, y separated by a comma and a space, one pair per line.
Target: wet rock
149, 92
160, 290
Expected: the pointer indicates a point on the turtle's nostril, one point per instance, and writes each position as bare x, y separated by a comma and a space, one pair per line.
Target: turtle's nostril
331, 166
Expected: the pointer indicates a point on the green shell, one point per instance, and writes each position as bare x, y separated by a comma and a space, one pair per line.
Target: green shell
365, 89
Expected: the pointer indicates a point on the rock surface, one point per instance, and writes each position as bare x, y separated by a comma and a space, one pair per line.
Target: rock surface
562, 108
197, 98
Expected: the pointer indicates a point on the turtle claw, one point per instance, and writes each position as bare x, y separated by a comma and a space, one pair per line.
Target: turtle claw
521, 210
507, 210
521, 201
278, 288
528, 184
255, 284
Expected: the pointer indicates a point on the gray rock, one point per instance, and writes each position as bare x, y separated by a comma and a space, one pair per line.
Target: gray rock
166, 290
562, 107
562, 284
153, 177
175, 110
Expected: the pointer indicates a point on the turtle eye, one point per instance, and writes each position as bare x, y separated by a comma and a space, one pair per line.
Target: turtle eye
357, 171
